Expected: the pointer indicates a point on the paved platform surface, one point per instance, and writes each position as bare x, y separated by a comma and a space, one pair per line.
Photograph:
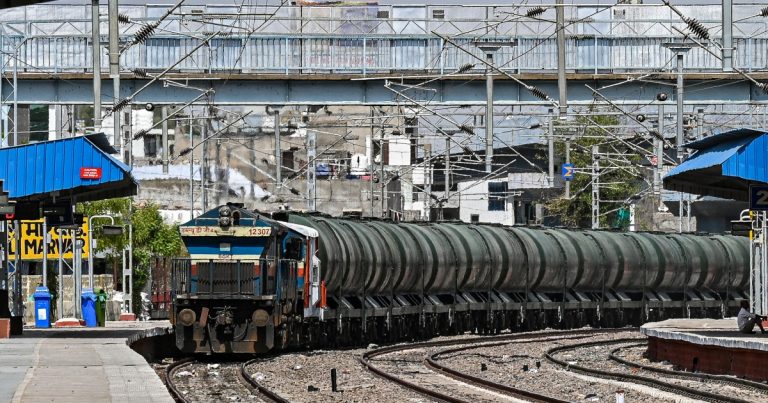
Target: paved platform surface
78, 365
711, 332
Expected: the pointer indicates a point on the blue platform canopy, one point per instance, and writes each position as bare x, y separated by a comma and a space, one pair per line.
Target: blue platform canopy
723, 166
79, 168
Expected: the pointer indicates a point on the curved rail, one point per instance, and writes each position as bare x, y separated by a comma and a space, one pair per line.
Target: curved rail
691, 375
637, 379
265, 392
170, 371
365, 360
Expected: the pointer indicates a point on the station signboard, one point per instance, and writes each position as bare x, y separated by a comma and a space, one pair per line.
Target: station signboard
32, 241
758, 197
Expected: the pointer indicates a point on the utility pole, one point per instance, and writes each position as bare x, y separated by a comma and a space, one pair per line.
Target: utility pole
371, 157
204, 164
381, 172
114, 71
680, 49
428, 180
489, 48
595, 188
659, 148
447, 178
489, 113
191, 173
568, 161
311, 179
551, 149
164, 111
727, 35
96, 54
561, 81
278, 152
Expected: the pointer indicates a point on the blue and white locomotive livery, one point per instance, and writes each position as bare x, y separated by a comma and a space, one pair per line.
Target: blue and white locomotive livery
248, 282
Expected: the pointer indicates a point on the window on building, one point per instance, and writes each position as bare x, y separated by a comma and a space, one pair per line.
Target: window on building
497, 196
150, 146
474, 218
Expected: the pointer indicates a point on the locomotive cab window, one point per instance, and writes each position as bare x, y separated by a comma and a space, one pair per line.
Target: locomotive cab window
293, 248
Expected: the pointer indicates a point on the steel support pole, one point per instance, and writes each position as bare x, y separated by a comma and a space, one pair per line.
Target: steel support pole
96, 58
657, 169
164, 112
679, 137
91, 248
60, 297
16, 99
77, 274
428, 180
45, 252
114, 71
278, 153
679, 90
204, 166
191, 173
595, 188
311, 179
561, 80
727, 35
551, 149
4, 311
489, 113
447, 180
17, 300
567, 161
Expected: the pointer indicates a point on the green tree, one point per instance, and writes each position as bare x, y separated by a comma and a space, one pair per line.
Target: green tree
619, 179
151, 237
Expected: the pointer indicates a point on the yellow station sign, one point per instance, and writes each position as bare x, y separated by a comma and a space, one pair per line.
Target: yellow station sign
32, 241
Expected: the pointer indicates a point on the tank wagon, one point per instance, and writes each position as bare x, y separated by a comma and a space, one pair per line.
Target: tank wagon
378, 280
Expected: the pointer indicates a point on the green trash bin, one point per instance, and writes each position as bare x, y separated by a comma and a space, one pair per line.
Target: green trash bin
101, 307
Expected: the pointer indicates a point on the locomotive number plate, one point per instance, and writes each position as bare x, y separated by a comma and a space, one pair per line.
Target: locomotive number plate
232, 231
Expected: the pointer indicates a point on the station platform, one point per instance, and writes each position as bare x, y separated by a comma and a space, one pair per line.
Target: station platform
78, 365
713, 346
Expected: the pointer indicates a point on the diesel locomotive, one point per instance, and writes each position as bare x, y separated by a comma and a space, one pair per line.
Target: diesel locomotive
256, 282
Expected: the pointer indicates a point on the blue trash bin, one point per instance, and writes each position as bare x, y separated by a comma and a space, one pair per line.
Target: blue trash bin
88, 303
42, 307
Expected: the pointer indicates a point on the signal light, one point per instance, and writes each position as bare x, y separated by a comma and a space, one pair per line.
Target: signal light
741, 228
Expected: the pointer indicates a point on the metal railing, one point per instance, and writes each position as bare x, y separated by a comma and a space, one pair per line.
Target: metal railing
235, 278
377, 39
376, 55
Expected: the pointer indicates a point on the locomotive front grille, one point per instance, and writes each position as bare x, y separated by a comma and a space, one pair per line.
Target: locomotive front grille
215, 278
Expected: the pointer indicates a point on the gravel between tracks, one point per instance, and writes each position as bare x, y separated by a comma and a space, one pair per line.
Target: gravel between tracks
213, 382
636, 355
505, 364
290, 375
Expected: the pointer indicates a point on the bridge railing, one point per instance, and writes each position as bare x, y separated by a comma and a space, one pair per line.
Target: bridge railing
372, 38
371, 55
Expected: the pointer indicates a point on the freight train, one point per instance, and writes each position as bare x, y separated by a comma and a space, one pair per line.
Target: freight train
256, 282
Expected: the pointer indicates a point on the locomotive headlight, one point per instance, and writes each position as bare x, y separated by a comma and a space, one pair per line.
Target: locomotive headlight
187, 317
225, 216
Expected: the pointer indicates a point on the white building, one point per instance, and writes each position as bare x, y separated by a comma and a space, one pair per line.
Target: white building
498, 201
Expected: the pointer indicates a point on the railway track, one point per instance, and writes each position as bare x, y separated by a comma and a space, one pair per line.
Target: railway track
246, 380
490, 388
654, 382
728, 380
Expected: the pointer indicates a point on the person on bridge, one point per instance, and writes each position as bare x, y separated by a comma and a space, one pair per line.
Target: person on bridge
747, 320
